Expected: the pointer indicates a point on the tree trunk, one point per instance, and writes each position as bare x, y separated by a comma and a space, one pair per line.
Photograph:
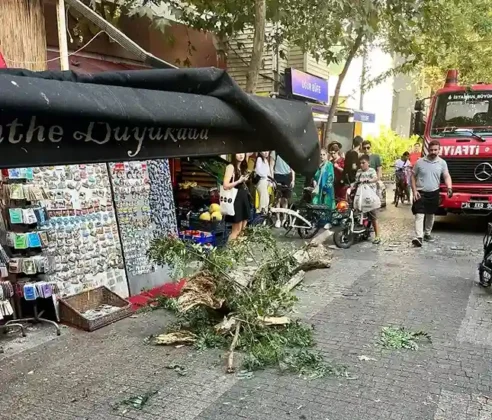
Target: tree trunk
23, 34
258, 44
341, 77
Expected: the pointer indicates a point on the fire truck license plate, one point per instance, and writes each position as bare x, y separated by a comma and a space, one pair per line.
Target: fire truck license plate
476, 206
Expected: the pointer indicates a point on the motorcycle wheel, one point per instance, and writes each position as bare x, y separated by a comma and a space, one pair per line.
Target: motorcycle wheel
307, 233
343, 238
397, 197
484, 277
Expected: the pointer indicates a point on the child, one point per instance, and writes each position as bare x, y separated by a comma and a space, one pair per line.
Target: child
402, 173
368, 175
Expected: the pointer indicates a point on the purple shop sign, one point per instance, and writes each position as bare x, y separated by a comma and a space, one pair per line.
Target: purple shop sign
306, 86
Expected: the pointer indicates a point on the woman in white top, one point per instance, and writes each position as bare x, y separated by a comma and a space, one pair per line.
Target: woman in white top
263, 171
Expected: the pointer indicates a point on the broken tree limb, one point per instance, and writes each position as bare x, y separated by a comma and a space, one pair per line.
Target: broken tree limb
230, 359
243, 275
321, 238
200, 290
295, 280
225, 325
274, 320
179, 337
312, 258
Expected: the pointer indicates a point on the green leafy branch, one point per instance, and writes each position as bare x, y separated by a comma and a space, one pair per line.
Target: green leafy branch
401, 338
253, 317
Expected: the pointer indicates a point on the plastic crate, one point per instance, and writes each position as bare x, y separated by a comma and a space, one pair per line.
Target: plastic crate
213, 226
201, 239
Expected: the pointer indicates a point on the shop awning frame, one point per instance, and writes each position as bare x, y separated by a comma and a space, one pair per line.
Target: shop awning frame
58, 118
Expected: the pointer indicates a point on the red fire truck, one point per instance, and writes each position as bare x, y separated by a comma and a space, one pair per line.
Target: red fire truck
460, 118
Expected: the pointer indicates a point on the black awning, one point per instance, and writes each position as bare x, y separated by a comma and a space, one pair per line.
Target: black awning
56, 118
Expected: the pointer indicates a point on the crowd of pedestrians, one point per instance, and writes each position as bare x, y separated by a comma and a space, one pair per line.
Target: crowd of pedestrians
337, 172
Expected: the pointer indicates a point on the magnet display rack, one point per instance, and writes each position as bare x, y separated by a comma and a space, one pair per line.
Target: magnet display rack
17, 254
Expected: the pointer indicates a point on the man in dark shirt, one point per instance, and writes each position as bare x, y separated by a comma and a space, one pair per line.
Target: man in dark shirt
352, 160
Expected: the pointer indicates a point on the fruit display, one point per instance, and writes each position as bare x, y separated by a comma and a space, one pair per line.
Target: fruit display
216, 215
214, 208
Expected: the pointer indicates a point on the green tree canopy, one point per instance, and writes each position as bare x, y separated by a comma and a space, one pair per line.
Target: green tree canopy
461, 38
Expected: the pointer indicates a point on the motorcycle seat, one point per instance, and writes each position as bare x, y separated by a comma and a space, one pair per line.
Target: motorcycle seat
316, 207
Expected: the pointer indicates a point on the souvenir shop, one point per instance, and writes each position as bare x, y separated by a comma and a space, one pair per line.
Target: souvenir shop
77, 227
196, 183
86, 177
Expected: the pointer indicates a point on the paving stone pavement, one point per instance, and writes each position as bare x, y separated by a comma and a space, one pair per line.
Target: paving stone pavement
86, 376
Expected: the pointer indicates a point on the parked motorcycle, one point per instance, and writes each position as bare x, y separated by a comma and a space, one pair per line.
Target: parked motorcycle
354, 226
485, 267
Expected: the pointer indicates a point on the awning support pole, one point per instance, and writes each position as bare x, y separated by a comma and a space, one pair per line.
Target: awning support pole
62, 35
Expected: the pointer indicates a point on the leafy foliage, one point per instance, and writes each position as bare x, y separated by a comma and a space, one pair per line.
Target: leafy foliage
390, 146
400, 338
455, 35
338, 31
286, 346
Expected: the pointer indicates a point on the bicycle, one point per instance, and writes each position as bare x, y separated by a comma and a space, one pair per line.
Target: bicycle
307, 218
401, 186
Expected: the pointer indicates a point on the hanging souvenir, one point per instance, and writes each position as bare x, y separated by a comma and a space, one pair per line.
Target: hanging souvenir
30, 292
20, 241
28, 266
28, 216
15, 216
15, 265
33, 240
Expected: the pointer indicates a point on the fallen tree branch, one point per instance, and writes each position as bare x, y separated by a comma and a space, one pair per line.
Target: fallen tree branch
225, 303
274, 320
295, 280
321, 238
230, 359
179, 337
312, 258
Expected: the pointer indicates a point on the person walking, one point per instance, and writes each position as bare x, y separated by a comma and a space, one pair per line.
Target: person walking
426, 179
352, 160
324, 178
263, 171
236, 176
285, 177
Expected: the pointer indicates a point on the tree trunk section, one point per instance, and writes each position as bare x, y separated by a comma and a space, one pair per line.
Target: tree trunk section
258, 44
341, 77
23, 34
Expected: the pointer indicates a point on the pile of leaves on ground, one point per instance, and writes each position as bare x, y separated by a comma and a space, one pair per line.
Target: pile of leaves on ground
239, 297
400, 338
